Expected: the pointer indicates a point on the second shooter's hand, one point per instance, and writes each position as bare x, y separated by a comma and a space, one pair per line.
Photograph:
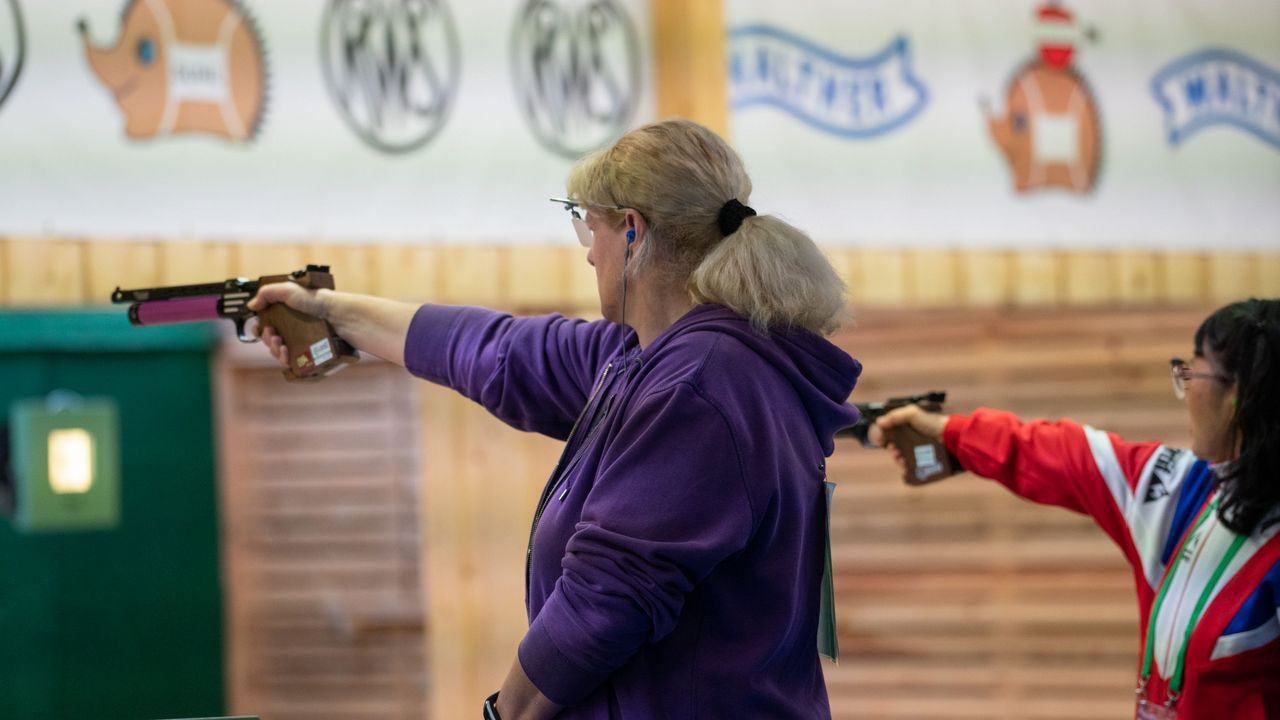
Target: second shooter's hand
928, 423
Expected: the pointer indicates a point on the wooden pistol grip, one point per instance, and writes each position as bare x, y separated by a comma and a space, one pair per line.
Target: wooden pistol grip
927, 459
315, 351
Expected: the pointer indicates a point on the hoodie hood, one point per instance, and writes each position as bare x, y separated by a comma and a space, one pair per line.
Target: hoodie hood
822, 374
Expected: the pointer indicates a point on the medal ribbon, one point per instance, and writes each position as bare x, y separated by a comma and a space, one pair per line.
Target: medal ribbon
1175, 680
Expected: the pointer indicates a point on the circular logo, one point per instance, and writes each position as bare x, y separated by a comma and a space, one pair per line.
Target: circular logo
13, 46
576, 66
392, 68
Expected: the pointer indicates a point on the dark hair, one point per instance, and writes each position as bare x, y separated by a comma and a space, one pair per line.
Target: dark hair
1244, 340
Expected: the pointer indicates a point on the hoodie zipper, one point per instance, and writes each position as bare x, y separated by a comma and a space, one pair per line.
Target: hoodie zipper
597, 422
553, 483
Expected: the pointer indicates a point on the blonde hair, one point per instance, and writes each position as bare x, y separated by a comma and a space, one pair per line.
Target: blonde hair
678, 175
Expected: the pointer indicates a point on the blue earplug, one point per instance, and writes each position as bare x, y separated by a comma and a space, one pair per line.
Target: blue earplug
631, 235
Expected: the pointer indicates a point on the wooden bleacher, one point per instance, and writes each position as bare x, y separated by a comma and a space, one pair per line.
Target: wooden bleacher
959, 600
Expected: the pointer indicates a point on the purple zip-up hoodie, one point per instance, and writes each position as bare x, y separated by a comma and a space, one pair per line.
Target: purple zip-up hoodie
677, 552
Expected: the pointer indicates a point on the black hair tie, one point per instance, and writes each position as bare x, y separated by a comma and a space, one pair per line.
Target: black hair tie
731, 216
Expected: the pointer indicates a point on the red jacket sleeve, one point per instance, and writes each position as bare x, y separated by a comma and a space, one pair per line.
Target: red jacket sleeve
1055, 463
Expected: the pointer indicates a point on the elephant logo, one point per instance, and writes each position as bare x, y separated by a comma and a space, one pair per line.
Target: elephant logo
185, 66
1050, 133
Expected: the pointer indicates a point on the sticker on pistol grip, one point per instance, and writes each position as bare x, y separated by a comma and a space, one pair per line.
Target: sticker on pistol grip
926, 461
306, 363
322, 351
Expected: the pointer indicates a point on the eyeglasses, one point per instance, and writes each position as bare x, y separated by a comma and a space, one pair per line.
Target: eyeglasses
585, 236
1181, 372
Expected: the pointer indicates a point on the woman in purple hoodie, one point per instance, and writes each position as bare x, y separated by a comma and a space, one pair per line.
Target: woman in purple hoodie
676, 555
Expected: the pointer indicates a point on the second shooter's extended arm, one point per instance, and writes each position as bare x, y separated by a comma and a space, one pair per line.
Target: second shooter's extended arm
315, 350
926, 459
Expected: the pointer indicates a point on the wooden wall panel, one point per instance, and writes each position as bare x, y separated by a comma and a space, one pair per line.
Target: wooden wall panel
1268, 275
63, 272
127, 265
1090, 278
959, 600
842, 260
1136, 278
985, 278
879, 278
689, 59
1232, 277
321, 552
407, 272
255, 259
43, 272
933, 279
482, 483
1183, 278
356, 263
535, 277
447, 553
190, 263
1037, 278
471, 275
583, 293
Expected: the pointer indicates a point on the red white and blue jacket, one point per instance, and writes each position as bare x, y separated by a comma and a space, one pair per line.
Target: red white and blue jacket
1146, 496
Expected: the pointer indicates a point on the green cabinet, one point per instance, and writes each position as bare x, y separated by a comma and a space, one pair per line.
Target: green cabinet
124, 622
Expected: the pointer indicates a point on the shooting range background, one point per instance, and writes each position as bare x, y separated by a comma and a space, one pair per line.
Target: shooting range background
954, 601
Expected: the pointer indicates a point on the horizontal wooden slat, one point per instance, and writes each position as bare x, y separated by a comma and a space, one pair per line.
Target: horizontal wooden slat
60, 271
958, 599
323, 544
43, 271
111, 265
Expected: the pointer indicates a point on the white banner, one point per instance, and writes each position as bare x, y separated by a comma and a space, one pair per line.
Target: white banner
960, 123
325, 120
967, 123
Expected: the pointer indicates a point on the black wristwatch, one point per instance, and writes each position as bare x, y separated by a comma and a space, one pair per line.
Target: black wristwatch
491, 708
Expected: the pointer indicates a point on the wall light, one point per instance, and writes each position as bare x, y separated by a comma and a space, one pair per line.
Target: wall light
64, 464
70, 460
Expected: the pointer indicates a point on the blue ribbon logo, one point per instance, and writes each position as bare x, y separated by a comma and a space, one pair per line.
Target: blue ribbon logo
846, 96
1218, 87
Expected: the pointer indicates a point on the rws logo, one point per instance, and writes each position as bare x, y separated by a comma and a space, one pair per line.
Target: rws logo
392, 68
13, 47
576, 67
185, 66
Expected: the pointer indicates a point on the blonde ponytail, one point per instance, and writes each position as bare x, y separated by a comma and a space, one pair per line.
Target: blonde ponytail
774, 275
679, 175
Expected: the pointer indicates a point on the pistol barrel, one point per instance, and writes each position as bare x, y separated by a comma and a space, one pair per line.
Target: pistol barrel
173, 292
